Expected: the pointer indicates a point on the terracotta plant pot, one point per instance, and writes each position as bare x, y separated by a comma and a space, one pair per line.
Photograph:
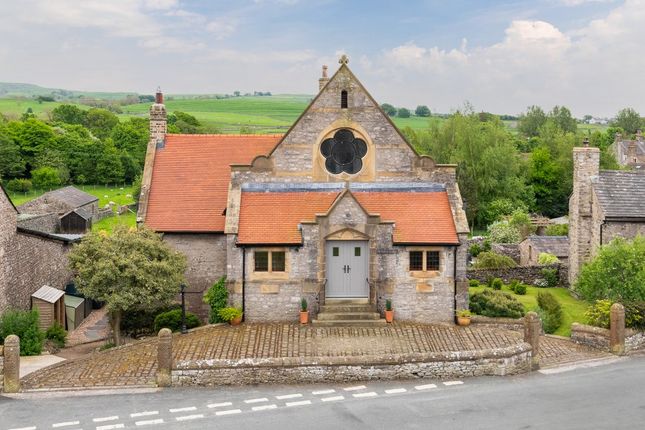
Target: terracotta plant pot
463, 321
389, 316
236, 321
304, 317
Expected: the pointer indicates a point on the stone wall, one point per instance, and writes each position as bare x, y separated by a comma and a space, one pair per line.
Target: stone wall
503, 361
1, 367
628, 230
634, 340
595, 337
525, 274
206, 258
497, 323
511, 250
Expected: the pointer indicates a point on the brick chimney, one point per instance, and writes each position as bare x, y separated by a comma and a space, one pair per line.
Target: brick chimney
324, 79
586, 168
158, 118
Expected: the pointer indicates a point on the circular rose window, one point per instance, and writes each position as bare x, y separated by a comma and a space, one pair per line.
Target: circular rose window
343, 152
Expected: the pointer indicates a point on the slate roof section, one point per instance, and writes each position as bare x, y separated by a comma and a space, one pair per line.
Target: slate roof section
272, 218
621, 194
556, 245
59, 201
190, 179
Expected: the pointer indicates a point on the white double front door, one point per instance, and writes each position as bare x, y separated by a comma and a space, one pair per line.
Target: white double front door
347, 268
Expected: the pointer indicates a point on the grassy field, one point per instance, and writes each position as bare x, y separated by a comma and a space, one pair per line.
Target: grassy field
108, 224
121, 195
573, 310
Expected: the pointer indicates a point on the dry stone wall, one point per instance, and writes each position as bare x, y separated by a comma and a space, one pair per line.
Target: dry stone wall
525, 274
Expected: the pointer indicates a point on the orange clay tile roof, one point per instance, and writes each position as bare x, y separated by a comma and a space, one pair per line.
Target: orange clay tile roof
190, 179
273, 217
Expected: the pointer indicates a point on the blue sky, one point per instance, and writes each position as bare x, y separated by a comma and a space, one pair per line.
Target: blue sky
499, 56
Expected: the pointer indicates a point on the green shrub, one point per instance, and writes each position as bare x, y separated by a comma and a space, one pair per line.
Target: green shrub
517, 287
136, 323
551, 277
475, 249
598, 314
504, 232
23, 324
492, 260
635, 315
57, 334
217, 298
557, 230
496, 284
229, 313
172, 320
546, 258
19, 185
473, 283
550, 311
492, 303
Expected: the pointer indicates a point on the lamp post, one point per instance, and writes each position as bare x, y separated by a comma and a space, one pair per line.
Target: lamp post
182, 289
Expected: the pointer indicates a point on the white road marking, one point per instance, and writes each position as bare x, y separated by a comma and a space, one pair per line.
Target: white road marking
288, 396
103, 419
332, 399
259, 400
317, 393
356, 388
395, 391
190, 417
228, 412
449, 383
111, 427
149, 422
370, 394
144, 414
66, 424
186, 409
264, 407
25, 428
219, 405
425, 387
300, 403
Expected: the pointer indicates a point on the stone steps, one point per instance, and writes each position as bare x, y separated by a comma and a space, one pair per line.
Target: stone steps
348, 323
347, 312
347, 308
324, 316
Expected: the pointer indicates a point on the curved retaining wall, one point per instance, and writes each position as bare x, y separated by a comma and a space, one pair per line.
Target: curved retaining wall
503, 361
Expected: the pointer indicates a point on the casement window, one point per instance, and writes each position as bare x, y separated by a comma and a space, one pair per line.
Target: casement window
423, 261
270, 261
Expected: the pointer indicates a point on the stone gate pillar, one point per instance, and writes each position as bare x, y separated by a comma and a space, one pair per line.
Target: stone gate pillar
11, 364
532, 331
617, 329
164, 358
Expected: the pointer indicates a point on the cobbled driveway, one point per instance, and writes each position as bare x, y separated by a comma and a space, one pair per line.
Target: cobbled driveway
135, 364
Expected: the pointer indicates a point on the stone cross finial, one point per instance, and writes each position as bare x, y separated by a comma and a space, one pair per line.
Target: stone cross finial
585, 142
324, 71
343, 59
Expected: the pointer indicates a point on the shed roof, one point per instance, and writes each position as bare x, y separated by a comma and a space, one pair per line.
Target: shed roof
190, 179
48, 294
556, 245
59, 201
621, 194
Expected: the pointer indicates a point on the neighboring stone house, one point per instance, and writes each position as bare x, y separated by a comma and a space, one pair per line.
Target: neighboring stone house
630, 153
533, 246
29, 258
339, 207
604, 204
75, 210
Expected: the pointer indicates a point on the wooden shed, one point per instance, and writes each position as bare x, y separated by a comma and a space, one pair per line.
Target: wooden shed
78, 221
50, 304
75, 311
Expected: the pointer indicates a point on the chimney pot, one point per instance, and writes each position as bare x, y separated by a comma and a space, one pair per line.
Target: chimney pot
585, 142
159, 96
324, 71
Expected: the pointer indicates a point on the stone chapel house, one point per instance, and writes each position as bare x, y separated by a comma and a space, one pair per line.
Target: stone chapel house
339, 207
604, 204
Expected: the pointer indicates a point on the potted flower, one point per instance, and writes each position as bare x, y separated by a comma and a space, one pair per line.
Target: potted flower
304, 314
389, 313
231, 314
463, 317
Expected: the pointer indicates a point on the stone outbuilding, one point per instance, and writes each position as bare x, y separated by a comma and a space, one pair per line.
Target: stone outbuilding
630, 153
604, 205
339, 207
531, 248
29, 258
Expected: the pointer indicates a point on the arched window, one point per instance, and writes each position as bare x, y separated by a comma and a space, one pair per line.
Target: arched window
343, 99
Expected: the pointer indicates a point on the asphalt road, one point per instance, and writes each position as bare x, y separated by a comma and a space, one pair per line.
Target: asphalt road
611, 396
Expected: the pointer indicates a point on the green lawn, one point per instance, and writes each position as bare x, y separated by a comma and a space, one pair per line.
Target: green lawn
108, 224
573, 310
117, 194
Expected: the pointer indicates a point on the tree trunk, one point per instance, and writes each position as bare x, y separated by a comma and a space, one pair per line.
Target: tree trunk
115, 320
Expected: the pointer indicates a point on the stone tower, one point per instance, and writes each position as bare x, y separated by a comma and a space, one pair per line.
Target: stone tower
586, 167
158, 130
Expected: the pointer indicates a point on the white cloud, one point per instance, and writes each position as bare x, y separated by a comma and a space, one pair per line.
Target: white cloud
222, 27
581, 2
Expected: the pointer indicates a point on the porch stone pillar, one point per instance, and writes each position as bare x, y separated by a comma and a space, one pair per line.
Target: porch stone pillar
532, 331
164, 358
12, 364
617, 329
